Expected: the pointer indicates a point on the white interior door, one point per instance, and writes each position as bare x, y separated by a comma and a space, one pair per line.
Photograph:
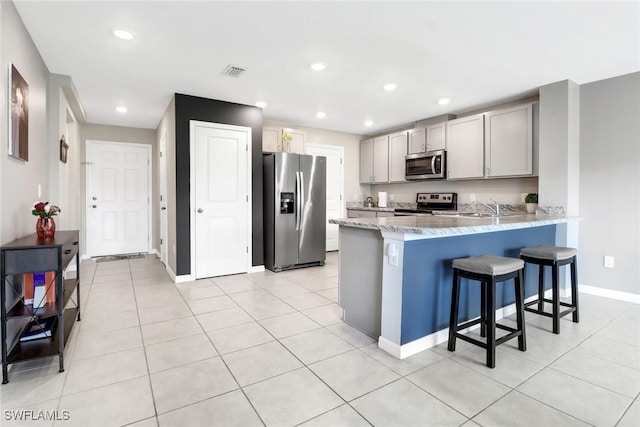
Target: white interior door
335, 173
221, 205
118, 189
163, 199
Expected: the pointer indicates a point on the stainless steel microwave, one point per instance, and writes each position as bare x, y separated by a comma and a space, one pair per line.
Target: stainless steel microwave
428, 165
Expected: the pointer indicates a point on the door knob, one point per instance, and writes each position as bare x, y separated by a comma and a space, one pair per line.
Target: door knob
200, 211
163, 208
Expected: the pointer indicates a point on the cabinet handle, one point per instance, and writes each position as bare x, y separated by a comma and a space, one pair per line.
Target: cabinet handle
75, 243
68, 251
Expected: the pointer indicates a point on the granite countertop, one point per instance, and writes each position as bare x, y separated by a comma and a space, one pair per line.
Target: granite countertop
442, 225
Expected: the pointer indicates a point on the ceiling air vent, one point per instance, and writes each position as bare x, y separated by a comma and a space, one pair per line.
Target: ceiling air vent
232, 71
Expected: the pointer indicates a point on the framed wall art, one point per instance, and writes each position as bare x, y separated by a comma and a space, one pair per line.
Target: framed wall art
18, 115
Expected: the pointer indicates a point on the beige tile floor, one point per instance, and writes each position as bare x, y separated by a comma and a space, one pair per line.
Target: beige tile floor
270, 349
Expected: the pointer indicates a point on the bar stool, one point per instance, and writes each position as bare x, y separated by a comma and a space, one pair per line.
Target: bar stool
555, 257
489, 270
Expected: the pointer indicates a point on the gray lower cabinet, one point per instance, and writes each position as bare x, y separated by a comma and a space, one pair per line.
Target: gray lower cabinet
361, 213
38, 324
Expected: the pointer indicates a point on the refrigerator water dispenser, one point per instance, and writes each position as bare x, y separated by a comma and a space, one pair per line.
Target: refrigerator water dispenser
286, 203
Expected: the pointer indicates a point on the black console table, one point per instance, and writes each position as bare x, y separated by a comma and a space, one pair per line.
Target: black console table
29, 255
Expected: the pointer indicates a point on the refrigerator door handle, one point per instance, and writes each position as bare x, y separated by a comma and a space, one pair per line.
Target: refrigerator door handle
298, 199
301, 200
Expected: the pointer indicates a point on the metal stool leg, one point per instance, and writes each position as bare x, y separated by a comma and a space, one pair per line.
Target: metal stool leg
453, 320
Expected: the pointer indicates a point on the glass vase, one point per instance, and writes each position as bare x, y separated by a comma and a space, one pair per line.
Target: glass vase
45, 228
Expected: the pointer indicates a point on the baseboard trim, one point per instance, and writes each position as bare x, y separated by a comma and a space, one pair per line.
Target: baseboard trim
256, 269
432, 340
184, 278
610, 293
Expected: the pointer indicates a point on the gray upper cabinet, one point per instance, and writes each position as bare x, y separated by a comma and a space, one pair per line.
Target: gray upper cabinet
381, 159
465, 147
417, 141
436, 136
366, 161
509, 142
397, 153
374, 160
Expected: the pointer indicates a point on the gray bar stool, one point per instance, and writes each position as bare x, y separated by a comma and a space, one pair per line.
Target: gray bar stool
554, 257
489, 270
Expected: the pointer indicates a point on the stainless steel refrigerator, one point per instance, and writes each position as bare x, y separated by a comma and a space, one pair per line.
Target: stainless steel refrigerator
295, 214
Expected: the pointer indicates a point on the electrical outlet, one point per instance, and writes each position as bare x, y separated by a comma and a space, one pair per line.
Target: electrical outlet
472, 197
609, 262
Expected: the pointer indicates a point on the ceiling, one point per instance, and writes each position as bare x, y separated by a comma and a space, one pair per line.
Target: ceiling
475, 53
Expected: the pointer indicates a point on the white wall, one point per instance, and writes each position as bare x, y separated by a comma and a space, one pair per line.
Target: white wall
19, 180
609, 182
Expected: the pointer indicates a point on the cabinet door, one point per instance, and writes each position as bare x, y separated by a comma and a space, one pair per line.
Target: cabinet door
270, 138
465, 147
417, 141
366, 161
381, 159
297, 143
436, 136
397, 153
509, 141
355, 213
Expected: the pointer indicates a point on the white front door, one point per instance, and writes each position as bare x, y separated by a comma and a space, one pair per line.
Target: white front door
117, 198
335, 172
163, 199
221, 199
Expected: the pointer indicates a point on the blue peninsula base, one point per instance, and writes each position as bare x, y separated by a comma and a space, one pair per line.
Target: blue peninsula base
396, 287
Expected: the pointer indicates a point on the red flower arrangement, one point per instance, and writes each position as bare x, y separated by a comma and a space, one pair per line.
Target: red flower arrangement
45, 210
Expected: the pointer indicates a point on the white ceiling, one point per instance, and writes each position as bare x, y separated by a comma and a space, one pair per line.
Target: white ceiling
476, 53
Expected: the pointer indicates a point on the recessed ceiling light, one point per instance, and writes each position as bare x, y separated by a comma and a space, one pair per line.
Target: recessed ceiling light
321, 114
261, 104
121, 109
443, 101
368, 123
318, 66
123, 34
390, 86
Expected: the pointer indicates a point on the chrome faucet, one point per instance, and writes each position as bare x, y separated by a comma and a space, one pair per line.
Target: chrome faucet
495, 210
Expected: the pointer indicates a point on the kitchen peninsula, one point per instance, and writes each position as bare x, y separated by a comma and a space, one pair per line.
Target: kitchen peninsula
395, 272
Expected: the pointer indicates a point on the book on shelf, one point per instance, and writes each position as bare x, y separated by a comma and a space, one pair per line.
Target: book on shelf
33, 280
38, 328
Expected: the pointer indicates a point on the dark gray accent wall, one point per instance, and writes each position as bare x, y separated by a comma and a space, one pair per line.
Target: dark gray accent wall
209, 110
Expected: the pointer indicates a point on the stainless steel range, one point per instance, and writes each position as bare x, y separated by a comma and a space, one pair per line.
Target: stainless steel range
426, 203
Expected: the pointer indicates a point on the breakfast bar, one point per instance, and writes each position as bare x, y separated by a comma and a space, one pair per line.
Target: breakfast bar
395, 272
